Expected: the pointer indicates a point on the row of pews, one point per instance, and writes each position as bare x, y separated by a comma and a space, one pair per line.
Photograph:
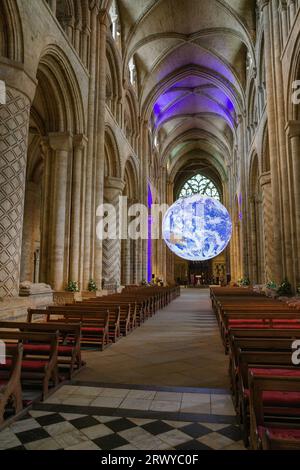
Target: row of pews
259, 335
46, 349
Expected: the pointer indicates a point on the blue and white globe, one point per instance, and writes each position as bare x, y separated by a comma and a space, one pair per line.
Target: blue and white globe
197, 228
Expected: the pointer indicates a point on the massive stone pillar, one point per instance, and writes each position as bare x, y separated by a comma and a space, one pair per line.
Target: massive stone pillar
126, 262
127, 258
282, 150
61, 144
293, 132
14, 124
253, 259
170, 274
46, 211
77, 214
144, 152
276, 241
31, 228
89, 170
265, 183
111, 259
100, 140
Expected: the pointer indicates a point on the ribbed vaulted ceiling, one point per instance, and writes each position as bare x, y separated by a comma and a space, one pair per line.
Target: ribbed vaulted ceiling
191, 58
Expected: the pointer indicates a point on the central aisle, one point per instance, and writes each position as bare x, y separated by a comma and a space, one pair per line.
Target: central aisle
157, 389
180, 346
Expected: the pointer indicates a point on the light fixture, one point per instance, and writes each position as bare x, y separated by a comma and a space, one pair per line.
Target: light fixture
197, 228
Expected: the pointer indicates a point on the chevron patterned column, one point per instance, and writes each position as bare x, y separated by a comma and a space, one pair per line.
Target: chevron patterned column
111, 257
14, 124
268, 226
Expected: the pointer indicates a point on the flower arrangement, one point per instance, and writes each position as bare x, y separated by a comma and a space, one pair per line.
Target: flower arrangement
285, 288
244, 282
72, 286
271, 285
159, 282
92, 286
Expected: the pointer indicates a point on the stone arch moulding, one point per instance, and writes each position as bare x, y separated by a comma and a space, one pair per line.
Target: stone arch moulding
293, 74
130, 177
57, 72
113, 166
13, 44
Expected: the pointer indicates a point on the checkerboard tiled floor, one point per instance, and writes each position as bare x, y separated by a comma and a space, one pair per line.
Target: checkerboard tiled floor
79, 418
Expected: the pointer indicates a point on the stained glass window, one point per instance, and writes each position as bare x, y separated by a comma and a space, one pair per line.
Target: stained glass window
199, 184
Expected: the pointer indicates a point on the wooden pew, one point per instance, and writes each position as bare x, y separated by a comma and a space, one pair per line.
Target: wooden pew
275, 320
126, 321
270, 361
89, 310
133, 311
282, 431
94, 325
10, 386
34, 368
237, 345
68, 351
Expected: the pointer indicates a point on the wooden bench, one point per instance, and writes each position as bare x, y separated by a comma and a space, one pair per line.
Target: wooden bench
10, 385
35, 370
275, 320
255, 360
127, 312
133, 312
68, 351
237, 345
94, 325
282, 431
89, 310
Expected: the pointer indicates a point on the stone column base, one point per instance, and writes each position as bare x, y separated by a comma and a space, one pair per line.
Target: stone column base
15, 308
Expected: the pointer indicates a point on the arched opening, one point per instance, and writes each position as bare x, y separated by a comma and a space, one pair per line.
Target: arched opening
113, 188
11, 34
49, 232
129, 247
195, 178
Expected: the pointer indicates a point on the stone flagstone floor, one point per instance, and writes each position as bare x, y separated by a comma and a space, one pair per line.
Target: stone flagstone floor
180, 346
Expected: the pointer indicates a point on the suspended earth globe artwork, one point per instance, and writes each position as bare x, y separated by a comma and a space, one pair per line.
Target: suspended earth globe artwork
197, 228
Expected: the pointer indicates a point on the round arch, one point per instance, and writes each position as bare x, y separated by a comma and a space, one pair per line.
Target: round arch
112, 165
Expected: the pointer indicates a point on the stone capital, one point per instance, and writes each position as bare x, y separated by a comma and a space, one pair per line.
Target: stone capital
265, 178
80, 141
14, 76
114, 184
61, 141
292, 129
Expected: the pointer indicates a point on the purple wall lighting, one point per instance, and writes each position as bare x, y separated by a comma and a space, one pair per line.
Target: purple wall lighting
240, 206
149, 247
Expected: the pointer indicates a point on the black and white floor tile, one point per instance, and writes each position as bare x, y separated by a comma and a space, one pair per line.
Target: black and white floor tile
112, 418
